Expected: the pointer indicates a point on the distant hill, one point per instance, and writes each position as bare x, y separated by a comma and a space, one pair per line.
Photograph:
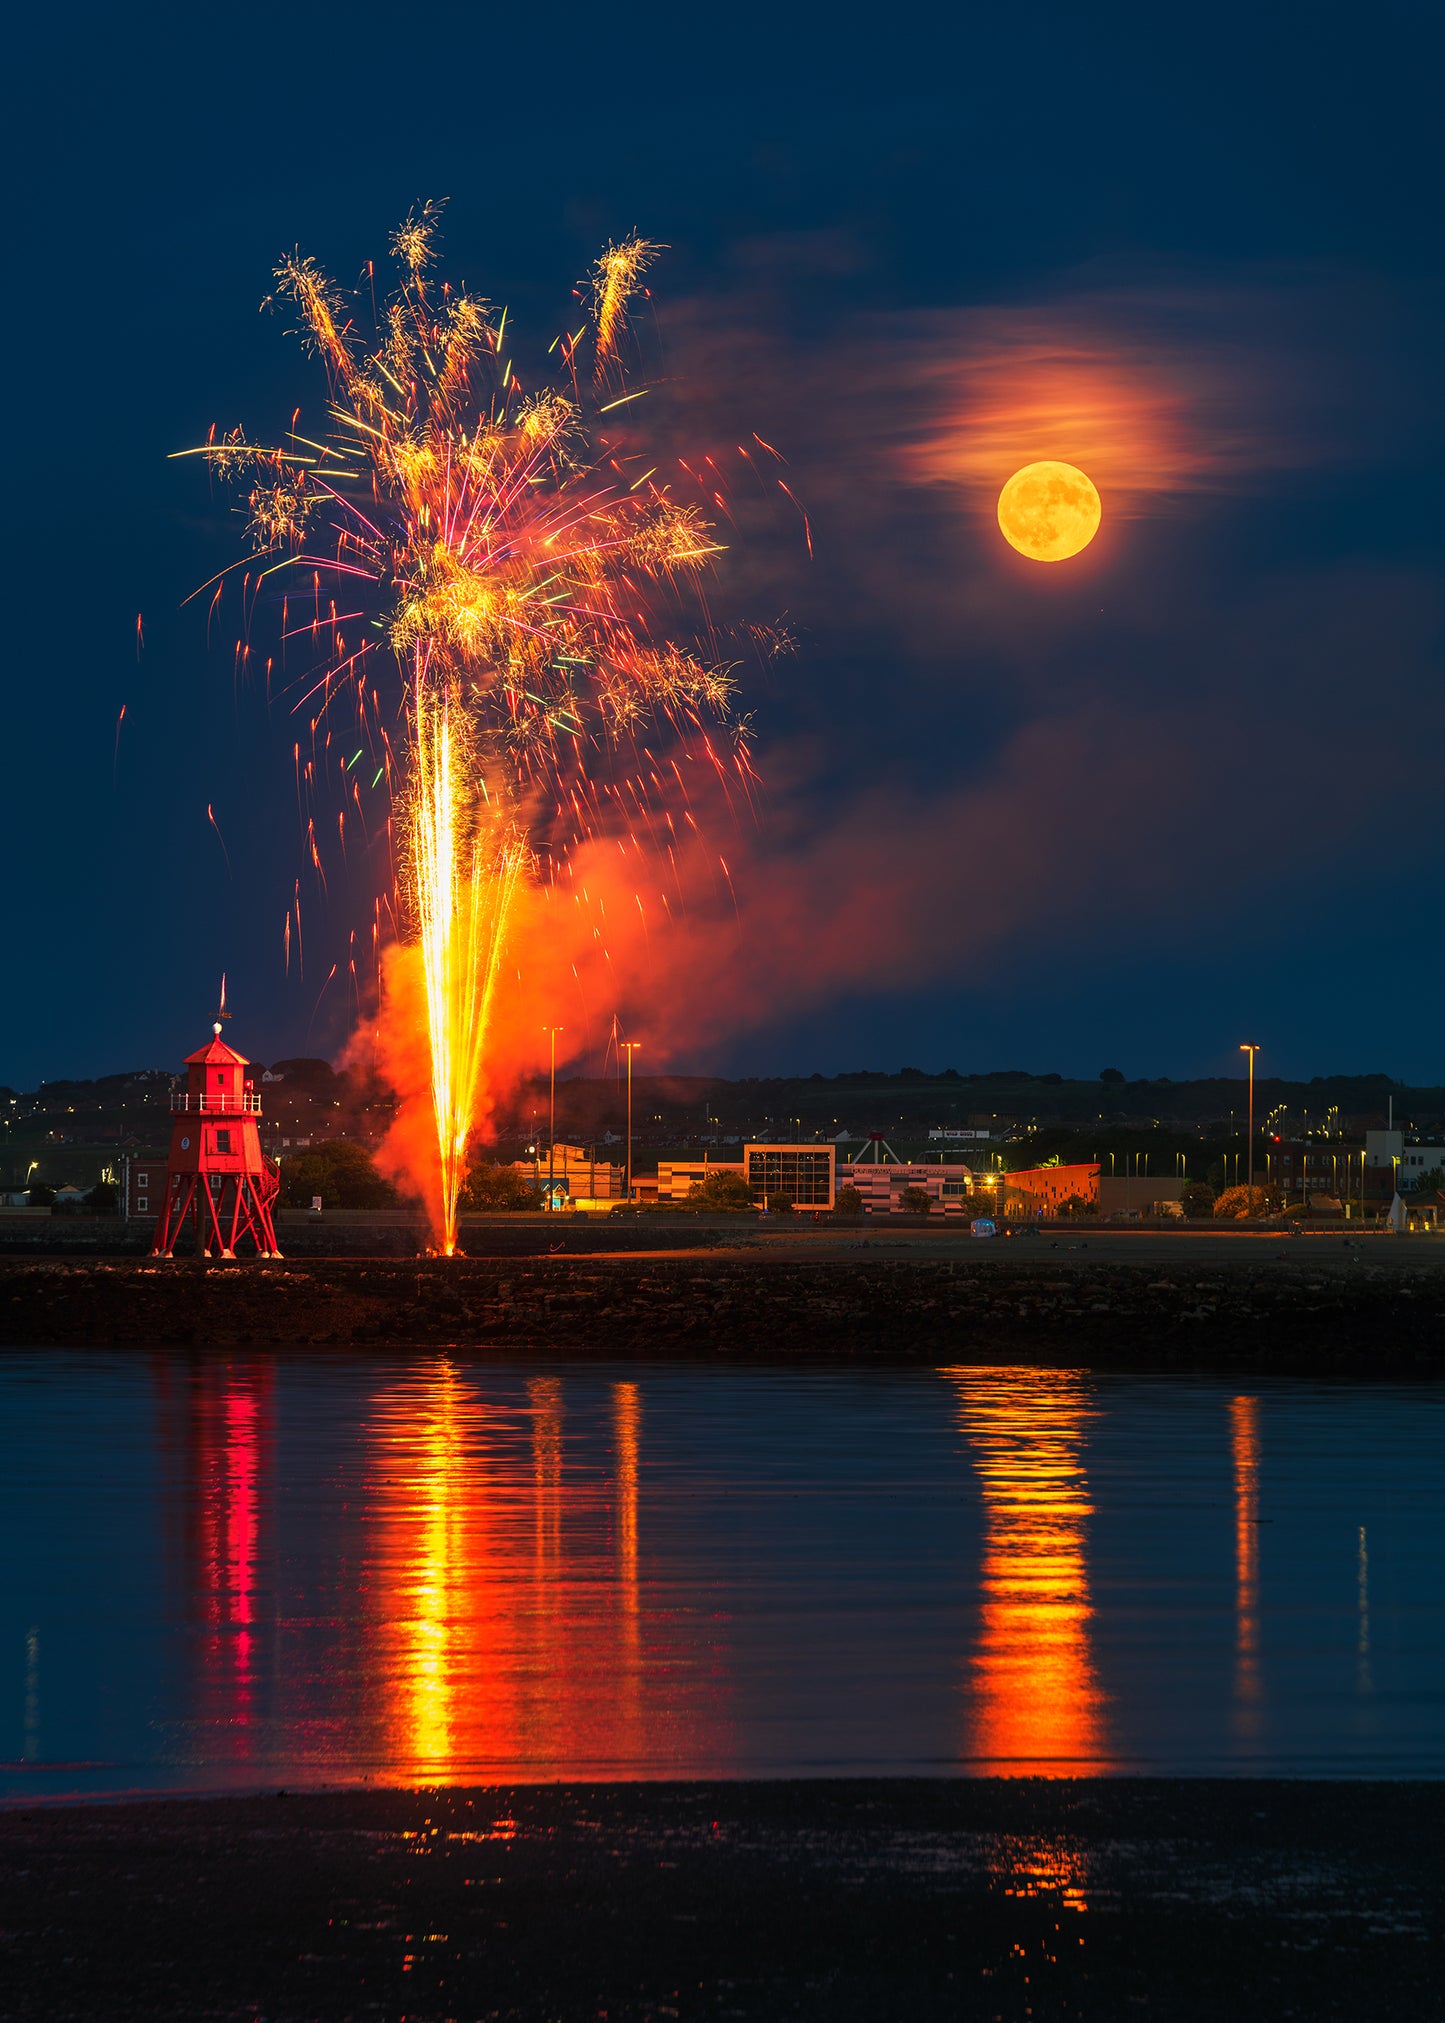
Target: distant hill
71, 1126
914, 1102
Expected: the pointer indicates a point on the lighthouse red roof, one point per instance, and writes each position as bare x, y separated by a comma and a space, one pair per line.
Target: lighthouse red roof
218, 1055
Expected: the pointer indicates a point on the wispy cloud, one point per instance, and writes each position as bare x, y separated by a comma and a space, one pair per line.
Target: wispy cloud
984, 760
1154, 391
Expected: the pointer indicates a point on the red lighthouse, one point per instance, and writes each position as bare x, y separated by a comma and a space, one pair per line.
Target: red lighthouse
217, 1166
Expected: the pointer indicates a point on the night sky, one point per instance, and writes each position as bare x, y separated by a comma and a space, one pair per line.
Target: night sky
1129, 811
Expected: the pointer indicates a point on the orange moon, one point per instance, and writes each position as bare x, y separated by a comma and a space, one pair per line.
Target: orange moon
1049, 511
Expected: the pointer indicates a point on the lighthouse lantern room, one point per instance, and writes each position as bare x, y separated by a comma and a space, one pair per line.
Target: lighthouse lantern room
217, 1168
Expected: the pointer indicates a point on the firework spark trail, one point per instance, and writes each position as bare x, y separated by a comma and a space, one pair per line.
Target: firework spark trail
464, 870
211, 818
614, 280
498, 545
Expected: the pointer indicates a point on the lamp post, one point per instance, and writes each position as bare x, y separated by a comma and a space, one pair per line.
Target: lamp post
552, 1116
1248, 1047
629, 1047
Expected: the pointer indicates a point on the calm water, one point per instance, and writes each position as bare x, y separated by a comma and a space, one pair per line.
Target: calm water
219, 1573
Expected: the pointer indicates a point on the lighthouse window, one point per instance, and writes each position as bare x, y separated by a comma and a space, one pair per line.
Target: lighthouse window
223, 1141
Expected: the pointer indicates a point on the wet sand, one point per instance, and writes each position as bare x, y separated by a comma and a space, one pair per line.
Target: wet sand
852, 1900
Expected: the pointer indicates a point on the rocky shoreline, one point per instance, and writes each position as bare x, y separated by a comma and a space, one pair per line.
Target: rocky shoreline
1294, 1314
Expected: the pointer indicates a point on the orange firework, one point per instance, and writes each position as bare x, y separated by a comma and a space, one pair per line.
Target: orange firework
500, 546
464, 864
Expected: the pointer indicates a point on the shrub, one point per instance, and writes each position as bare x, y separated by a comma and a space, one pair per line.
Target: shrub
848, 1201
721, 1190
1196, 1198
343, 1174
490, 1189
42, 1196
104, 1197
779, 1204
1238, 1204
917, 1201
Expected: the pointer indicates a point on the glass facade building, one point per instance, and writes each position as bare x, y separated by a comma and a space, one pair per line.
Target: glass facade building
804, 1173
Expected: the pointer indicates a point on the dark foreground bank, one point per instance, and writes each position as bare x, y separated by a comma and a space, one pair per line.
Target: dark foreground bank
1288, 1308
868, 1900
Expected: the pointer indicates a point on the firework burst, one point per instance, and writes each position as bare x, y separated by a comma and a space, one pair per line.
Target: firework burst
502, 550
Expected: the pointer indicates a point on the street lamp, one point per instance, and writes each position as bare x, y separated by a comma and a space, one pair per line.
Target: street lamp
552, 1116
629, 1047
1248, 1047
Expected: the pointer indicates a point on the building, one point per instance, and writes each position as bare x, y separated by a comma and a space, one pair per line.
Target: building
804, 1174
1406, 1164
884, 1182
676, 1178
573, 1173
1042, 1191
1415, 1162
143, 1185
1327, 1171
1336, 1170
1143, 1196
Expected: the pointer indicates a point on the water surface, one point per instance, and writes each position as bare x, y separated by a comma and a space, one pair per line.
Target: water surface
236, 1572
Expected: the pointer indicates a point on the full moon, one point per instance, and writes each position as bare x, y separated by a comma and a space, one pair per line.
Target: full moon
1049, 511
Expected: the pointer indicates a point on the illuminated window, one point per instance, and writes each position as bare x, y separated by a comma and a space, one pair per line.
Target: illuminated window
801, 1176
